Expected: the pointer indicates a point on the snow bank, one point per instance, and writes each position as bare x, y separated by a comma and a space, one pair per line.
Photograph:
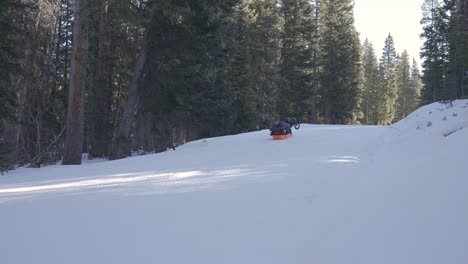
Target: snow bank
438, 119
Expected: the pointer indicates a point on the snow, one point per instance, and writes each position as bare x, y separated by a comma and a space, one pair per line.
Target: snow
330, 194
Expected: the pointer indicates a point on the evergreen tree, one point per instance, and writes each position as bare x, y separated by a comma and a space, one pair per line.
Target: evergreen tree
388, 94
170, 75
315, 48
9, 64
295, 96
37, 118
63, 45
434, 50
406, 94
99, 123
265, 54
241, 72
340, 87
212, 96
78, 71
193, 53
457, 44
123, 142
371, 84
416, 86
464, 10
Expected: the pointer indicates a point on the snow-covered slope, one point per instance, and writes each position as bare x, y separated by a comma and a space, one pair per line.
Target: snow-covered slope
330, 194
439, 119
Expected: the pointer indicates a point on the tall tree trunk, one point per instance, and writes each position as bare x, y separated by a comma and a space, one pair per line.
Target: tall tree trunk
57, 53
39, 124
315, 82
139, 133
143, 140
99, 126
66, 59
75, 116
465, 13
149, 119
465, 43
123, 142
313, 108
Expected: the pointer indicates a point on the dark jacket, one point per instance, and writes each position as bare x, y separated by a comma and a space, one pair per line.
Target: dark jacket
280, 128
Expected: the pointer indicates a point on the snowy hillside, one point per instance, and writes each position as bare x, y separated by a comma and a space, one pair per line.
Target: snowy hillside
330, 194
440, 119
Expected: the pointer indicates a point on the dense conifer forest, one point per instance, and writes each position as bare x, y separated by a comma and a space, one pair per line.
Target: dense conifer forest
112, 77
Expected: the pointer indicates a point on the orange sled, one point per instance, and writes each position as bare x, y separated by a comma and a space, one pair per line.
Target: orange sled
279, 137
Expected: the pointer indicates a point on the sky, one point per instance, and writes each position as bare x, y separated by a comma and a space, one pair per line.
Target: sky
375, 19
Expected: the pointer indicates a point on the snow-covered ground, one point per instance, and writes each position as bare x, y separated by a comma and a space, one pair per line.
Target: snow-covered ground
330, 194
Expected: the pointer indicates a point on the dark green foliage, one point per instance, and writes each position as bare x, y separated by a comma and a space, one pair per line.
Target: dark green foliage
405, 92
295, 96
445, 50
186, 85
340, 59
62, 57
434, 51
457, 39
415, 87
429, 52
371, 85
240, 74
213, 70
9, 64
265, 54
388, 94
9, 68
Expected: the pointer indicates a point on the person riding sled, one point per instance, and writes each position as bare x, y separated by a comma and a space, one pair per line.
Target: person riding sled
282, 129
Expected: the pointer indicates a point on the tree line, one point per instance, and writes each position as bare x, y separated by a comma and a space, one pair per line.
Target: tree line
445, 49
111, 77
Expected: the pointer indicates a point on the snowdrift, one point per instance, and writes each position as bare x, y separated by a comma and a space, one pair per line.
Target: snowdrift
438, 119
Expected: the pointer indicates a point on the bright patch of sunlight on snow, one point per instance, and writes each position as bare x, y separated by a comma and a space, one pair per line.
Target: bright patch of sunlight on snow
160, 182
342, 159
84, 184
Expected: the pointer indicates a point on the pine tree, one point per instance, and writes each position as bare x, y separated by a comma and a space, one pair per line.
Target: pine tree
75, 115
371, 84
123, 142
100, 95
194, 48
8, 57
464, 9
315, 48
389, 93
434, 50
457, 45
62, 58
405, 91
9, 67
212, 94
340, 87
244, 96
295, 96
416, 86
265, 52
38, 117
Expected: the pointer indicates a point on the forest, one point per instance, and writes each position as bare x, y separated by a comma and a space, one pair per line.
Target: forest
114, 77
